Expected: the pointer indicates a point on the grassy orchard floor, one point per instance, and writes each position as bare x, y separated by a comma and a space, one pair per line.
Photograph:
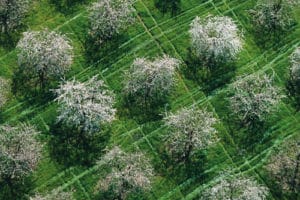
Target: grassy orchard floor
154, 34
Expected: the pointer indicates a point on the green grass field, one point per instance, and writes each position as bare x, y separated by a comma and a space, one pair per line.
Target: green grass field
155, 34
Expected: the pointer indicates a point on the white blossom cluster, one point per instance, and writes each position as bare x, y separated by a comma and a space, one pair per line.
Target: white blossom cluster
295, 65
237, 188
4, 90
149, 79
85, 105
45, 54
12, 13
284, 165
215, 38
191, 130
129, 172
109, 17
19, 151
254, 97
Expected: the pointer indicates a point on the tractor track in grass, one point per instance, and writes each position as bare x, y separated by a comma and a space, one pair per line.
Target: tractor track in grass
191, 94
269, 65
252, 62
148, 134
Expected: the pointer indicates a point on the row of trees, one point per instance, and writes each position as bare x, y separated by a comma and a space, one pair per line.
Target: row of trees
106, 18
132, 172
109, 17
45, 56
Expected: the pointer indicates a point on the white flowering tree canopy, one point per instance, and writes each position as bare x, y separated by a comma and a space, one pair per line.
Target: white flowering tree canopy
12, 13
150, 79
284, 166
4, 90
215, 38
55, 194
254, 97
191, 129
295, 65
19, 151
85, 105
45, 55
109, 17
236, 188
271, 15
129, 172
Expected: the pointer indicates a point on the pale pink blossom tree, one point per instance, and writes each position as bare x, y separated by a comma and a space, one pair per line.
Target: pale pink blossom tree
150, 80
273, 15
284, 166
12, 13
109, 17
19, 151
215, 39
44, 55
191, 130
85, 105
129, 172
236, 188
254, 98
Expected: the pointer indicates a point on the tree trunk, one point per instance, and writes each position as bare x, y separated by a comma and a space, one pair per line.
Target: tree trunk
5, 19
231, 191
188, 148
42, 80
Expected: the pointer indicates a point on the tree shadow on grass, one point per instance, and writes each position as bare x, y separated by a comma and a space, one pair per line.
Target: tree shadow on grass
8, 41
246, 136
293, 88
69, 147
275, 189
104, 51
17, 189
253, 136
25, 91
26, 86
271, 39
180, 171
165, 6
143, 112
67, 6
210, 76
110, 195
